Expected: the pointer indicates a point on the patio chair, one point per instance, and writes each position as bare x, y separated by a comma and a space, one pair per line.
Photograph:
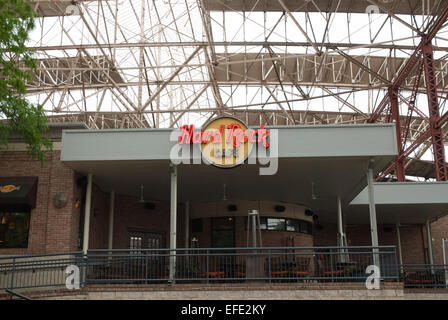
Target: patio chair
289, 270
327, 270
422, 279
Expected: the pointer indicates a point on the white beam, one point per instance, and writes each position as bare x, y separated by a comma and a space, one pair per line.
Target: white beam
85, 243
173, 222
372, 211
111, 219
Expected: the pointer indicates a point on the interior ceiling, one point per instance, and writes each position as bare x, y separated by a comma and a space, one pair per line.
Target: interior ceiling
167, 63
59, 70
330, 70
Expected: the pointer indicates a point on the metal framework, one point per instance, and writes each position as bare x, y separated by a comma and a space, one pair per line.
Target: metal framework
158, 63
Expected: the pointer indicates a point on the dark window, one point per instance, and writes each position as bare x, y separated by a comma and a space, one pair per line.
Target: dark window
305, 227
276, 224
291, 225
284, 224
14, 228
297, 225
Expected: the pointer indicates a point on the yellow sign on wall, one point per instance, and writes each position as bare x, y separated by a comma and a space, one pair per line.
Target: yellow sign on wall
9, 188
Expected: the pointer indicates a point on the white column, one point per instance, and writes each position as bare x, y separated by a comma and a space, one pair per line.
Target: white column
173, 222
372, 210
430, 247
400, 253
445, 262
253, 215
111, 219
341, 236
340, 227
85, 243
187, 224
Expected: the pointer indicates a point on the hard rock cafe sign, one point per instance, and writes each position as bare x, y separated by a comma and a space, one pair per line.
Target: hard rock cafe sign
225, 141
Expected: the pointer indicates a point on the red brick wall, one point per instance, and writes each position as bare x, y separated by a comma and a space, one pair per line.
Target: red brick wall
325, 234
99, 219
413, 248
129, 213
49, 226
204, 237
439, 231
413, 244
60, 220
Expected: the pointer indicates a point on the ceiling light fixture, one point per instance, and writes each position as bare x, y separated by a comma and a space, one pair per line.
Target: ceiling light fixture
224, 193
141, 194
313, 194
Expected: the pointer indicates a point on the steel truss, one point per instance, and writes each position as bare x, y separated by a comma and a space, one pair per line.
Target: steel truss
158, 63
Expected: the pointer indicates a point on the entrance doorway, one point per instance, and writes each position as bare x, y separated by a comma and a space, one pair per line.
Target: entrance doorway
223, 232
144, 240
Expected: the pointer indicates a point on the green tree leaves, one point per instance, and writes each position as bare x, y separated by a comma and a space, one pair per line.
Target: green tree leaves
17, 64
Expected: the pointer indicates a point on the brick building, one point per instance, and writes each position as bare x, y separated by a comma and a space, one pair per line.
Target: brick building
125, 178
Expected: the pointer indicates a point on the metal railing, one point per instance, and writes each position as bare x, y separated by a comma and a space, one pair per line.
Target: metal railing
34, 271
240, 264
424, 276
210, 265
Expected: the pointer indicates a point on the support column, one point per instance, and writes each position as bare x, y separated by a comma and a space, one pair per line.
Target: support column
253, 216
340, 227
187, 224
173, 222
111, 219
341, 236
400, 254
85, 242
430, 247
445, 262
434, 113
372, 211
395, 114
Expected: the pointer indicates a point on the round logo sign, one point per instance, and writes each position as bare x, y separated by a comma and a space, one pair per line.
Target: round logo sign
228, 143
224, 141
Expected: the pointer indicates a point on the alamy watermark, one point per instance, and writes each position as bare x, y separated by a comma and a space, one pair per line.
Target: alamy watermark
73, 279
373, 280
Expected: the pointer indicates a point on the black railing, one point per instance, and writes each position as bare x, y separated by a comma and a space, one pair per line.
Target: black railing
34, 271
424, 276
281, 264
240, 264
